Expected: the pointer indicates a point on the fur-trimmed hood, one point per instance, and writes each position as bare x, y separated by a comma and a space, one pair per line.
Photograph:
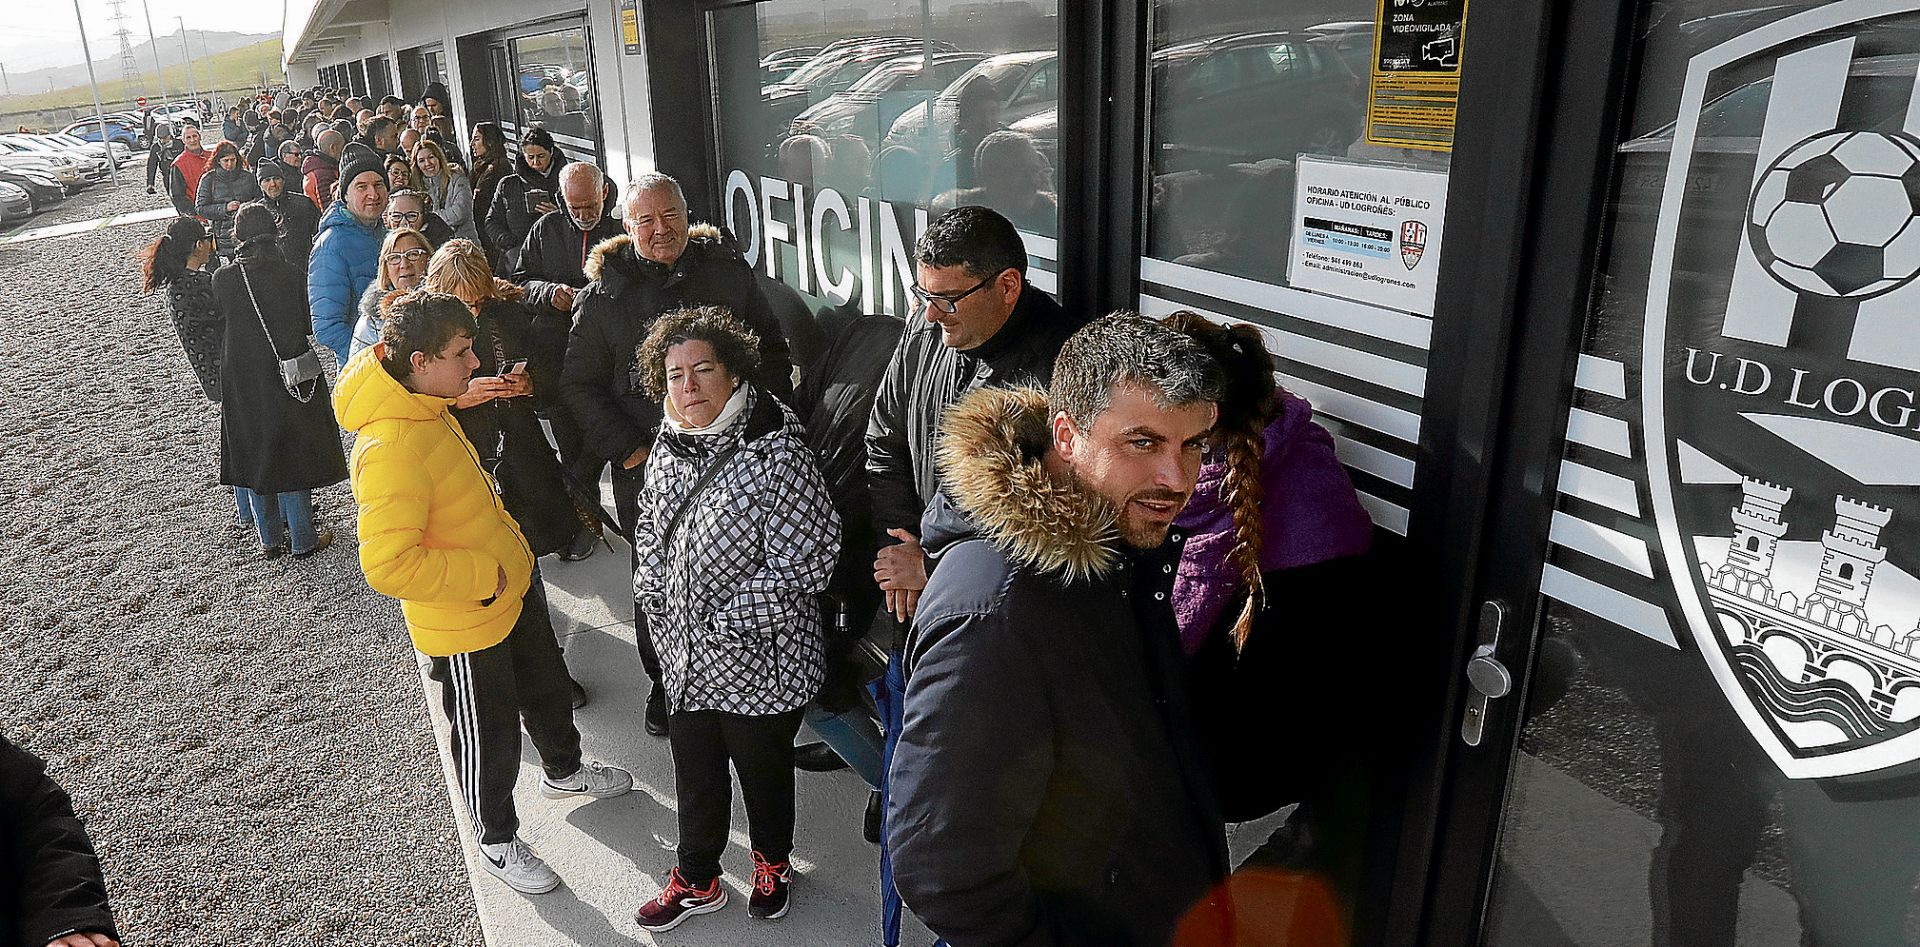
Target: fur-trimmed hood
989, 460
621, 247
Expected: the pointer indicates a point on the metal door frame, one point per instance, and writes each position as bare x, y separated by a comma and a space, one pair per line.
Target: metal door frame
1542, 103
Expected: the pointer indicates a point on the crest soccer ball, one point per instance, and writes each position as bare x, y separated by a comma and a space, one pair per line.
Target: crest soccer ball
1838, 214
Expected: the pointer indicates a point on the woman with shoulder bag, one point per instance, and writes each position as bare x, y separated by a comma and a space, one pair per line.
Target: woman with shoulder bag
735, 539
278, 440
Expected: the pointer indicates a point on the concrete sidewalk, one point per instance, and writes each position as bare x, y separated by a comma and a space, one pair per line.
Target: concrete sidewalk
613, 854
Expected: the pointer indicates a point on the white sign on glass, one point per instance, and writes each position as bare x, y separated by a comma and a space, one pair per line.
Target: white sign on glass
1368, 232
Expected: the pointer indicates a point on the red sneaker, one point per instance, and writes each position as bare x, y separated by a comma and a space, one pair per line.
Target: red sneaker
679, 902
772, 882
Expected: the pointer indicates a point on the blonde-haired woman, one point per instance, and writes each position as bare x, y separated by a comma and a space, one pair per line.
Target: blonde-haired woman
497, 410
403, 264
447, 185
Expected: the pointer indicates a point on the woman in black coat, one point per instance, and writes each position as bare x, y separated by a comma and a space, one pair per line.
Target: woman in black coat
277, 444
511, 216
487, 166
178, 263
497, 410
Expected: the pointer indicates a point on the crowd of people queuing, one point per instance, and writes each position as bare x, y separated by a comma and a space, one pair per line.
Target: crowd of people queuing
1043, 579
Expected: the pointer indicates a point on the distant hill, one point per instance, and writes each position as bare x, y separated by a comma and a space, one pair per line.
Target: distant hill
202, 43
221, 76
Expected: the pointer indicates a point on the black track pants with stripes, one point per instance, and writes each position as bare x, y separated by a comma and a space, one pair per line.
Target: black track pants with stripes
486, 694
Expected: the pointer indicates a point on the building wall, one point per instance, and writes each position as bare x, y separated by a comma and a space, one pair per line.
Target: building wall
621, 81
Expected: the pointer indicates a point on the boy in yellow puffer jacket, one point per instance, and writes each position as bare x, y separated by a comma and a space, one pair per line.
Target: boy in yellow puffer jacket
434, 534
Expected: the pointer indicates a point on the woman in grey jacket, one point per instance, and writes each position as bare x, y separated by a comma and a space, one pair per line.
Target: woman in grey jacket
735, 540
447, 184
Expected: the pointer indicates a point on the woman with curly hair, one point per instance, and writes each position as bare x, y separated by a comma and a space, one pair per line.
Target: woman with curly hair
1270, 598
735, 539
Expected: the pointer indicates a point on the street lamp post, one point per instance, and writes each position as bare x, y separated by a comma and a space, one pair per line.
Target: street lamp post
186, 59
99, 111
160, 74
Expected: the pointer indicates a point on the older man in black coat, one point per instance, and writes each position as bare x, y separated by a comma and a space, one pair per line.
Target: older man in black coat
51, 892
660, 264
1048, 787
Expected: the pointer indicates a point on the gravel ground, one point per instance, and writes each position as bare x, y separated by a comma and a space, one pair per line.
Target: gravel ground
246, 739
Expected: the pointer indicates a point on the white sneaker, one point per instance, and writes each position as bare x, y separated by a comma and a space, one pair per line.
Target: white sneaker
516, 864
593, 778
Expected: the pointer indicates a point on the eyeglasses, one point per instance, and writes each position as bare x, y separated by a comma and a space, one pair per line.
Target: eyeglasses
949, 303
406, 256
404, 216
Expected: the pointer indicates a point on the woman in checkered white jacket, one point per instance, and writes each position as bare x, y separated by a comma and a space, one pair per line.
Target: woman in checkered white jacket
735, 540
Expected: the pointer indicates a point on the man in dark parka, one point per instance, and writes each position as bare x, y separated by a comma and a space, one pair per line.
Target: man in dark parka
51, 892
1048, 788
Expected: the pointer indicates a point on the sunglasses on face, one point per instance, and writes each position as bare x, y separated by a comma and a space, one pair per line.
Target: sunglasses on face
414, 255
949, 303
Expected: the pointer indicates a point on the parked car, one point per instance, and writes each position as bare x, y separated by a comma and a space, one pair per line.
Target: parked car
129, 134
65, 171
779, 64
868, 107
93, 169
1024, 84
15, 203
120, 153
835, 69
39, 183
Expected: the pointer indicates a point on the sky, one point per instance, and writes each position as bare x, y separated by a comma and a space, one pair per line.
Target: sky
52, 37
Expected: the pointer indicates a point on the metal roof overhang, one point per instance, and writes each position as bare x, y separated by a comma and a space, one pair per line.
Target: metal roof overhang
316, 27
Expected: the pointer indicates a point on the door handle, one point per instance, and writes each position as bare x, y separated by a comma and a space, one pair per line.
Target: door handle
1488, 679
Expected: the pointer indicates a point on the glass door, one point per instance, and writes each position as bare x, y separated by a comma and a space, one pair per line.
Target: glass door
1704, 709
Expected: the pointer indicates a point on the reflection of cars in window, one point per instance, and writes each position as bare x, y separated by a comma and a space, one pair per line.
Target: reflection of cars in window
1025, 83
1720, 177
1241, 98
869, 106
834, 70
776, 66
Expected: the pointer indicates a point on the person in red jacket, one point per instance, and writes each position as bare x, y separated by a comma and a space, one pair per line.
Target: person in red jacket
183, 182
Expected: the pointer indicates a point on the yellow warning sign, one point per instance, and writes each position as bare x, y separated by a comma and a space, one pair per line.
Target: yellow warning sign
1414, 91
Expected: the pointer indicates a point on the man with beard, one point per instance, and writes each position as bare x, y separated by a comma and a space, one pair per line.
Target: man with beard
298, 220
980, 324
346, 255
1048, 787
189, 166
553, 263
658, 265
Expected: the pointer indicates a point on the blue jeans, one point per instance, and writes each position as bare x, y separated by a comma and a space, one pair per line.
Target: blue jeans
855, 737
278, 518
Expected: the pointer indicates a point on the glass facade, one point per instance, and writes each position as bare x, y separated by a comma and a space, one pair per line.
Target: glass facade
1718, 745
553, 85
846, 125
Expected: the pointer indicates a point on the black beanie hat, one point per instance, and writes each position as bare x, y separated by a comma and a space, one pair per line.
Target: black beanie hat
253, 220
358, 159
271, 168
437, 91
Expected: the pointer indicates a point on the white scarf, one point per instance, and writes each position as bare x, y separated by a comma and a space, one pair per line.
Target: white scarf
734, 406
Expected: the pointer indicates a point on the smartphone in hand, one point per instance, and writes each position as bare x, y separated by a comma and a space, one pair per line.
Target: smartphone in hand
535, 197
515, 368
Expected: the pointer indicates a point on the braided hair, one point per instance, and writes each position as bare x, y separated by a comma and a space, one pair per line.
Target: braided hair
1250, 403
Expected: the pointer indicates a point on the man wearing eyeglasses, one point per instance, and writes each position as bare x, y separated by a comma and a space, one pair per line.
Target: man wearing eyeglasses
978, 323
